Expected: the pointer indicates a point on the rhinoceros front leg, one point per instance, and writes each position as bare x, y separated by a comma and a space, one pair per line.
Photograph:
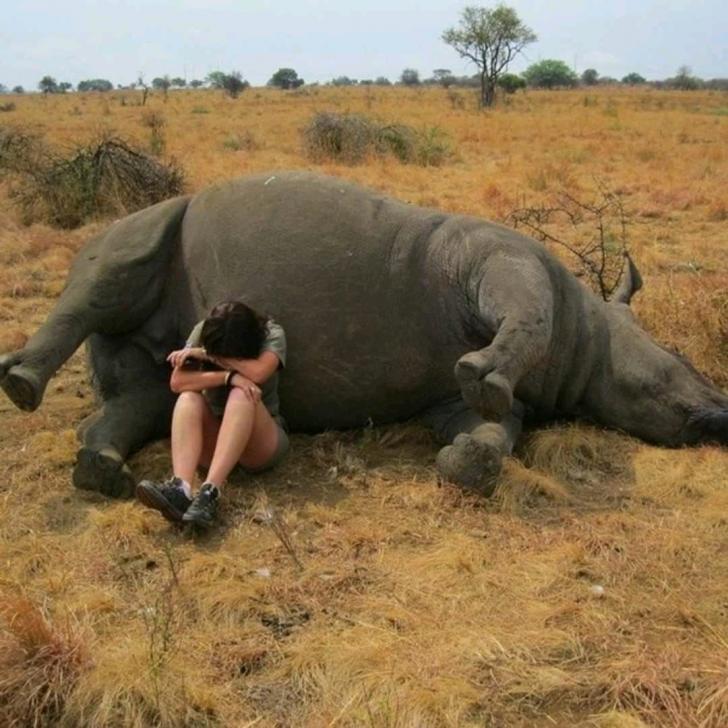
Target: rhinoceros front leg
515, 297
474, 457
137, 408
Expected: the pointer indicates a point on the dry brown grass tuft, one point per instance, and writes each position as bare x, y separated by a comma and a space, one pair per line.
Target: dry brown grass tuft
40, 663
590, 591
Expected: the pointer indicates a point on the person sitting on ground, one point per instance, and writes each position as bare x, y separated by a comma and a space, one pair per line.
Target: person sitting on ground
224, 416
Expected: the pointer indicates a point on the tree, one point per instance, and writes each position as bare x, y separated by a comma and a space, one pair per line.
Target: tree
231, 83
382, 81
549, 73
179, 82
18, 90
590, 77
444, 77
162, 83
216, 79
95, 84
685, 81
410, 77
234, 84
48, 85
491, 39
511, 83
633, 79
196, 83
343, 81
285, 78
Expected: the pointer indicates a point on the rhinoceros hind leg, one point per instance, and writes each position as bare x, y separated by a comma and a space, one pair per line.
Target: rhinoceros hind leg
474, 457
125, 424
23, 387
104, 471
137, 408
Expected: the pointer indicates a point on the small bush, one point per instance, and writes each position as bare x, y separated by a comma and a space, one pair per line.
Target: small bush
155, 122
345, 137
350, 138
399, 140
20, 151
239, 142
108, 177
9, 106
433, 147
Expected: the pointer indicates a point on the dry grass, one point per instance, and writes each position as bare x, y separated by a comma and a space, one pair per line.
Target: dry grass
590, 591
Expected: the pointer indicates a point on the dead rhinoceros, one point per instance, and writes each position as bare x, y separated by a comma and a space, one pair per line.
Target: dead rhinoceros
392, 311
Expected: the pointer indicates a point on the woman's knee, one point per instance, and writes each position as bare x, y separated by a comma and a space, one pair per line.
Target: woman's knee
238, 398
191, 400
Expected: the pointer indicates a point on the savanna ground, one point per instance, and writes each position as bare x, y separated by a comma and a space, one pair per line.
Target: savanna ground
591, 590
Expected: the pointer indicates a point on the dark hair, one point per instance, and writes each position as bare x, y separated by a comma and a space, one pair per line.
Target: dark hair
233, 329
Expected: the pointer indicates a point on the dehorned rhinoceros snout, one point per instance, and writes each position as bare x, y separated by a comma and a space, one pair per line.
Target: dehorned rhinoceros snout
654, 393
708, 426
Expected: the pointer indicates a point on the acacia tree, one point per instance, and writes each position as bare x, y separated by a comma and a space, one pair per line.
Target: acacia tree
285, 78
48, 85
491, 39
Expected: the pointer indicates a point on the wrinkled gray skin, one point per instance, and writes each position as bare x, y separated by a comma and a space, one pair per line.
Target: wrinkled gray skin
391, 311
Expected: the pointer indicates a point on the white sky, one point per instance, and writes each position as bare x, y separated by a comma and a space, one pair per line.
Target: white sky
117, 39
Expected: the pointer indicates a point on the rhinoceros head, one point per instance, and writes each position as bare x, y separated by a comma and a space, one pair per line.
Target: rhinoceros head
650, 391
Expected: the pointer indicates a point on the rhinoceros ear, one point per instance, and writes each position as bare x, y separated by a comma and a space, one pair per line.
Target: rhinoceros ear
630, 283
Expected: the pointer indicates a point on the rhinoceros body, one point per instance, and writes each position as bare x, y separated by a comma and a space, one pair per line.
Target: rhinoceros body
390, 311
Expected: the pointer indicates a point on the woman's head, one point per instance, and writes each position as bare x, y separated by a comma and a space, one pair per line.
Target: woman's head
233, 330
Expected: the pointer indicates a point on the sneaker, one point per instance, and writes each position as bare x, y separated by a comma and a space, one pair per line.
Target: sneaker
203, 509
169, 498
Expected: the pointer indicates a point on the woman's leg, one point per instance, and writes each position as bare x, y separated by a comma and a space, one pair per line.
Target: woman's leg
248, 435
232, 439
252, 446
193, 424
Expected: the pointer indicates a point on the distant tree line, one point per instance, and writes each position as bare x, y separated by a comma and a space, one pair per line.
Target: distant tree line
549, 74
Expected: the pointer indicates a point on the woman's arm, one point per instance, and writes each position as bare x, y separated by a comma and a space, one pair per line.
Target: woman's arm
187, 380
184, 380
256, 370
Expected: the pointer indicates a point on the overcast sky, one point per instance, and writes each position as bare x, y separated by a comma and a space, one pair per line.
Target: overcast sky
117, 39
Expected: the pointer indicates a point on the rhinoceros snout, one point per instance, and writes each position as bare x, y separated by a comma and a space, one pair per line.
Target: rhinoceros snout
709, 426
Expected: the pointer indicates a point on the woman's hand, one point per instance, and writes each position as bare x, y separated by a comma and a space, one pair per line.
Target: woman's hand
251, 390
179, 357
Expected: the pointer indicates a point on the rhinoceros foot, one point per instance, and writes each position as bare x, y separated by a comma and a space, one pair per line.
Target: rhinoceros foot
491, 396
103, 471
23, 387
470, 463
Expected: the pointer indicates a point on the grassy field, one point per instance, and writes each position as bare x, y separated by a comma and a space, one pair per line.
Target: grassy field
591, 590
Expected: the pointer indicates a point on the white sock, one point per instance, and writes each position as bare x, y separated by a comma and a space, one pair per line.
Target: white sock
186, 488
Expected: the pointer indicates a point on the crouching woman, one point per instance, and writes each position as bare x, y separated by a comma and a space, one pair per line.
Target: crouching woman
226, 413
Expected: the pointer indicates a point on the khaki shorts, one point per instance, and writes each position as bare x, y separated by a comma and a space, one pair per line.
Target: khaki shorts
279, 453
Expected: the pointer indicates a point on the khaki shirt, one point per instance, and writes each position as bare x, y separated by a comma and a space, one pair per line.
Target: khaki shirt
275, 341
